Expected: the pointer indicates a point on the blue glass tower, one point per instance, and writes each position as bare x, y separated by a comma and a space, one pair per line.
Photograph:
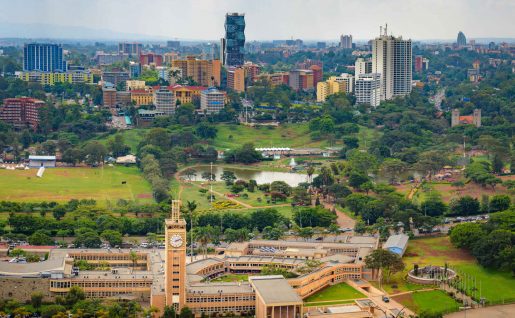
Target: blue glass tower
234, 42
43, 57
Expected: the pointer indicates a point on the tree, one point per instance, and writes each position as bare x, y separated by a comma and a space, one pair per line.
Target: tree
73, 156
95, 152
357, 179
433, 205
272, 233
495, 250
113, 237
58, 212
51, 311
392, 169
117, 146
431, 161
36, 299
464, 206
389, 262
305, 232
74, 295
351, 142
497, 164
465, 235
134, 258
40, 237
169, 312
246, 154
334, 229
264, 217
208, 176
186, 313
229, 177
281, 187
87, 238
189, 173
206, 131
499, 202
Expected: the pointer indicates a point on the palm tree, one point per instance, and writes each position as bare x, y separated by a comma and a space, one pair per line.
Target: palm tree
134, 258
310, 170
191, 206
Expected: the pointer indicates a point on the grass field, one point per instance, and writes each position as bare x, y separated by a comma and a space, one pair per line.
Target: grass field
294, 135
131, 137
496, 285
231, 278
435, 301
336, 292
62, 184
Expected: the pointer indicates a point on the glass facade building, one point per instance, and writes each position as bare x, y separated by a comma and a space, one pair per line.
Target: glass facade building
43, 57
234, 42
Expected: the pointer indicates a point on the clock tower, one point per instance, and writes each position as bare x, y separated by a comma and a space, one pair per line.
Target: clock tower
175, 258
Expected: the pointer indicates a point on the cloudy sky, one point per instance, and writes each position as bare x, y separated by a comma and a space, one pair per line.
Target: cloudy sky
272, 19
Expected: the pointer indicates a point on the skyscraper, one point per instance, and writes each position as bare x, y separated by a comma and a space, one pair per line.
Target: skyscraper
346, 41
392, 58
232, 46
461, 40
43, 57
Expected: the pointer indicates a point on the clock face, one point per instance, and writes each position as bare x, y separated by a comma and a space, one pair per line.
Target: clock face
176, 240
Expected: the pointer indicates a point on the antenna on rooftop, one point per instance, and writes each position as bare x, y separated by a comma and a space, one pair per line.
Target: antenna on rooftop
386, 29
380, 30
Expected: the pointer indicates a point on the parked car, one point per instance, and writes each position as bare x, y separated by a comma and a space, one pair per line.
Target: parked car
386, 299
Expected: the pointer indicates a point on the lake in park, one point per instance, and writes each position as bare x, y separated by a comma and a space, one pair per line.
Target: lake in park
291, 178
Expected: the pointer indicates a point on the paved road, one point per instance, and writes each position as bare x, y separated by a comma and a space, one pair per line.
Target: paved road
501, 311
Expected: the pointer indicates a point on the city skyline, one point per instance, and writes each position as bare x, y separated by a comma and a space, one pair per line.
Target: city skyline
419, 20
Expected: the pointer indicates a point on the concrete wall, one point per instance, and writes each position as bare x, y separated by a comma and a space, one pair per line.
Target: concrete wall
22, 288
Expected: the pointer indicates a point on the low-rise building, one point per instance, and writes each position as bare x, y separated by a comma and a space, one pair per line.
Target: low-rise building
236, 79
397, 244
134, 85
109, 96
164, 100
50, 78
142, 96
42, 161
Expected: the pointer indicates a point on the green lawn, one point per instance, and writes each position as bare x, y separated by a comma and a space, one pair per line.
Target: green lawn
336, 292
230, 136
62, 184
496, 285
231, 278
252, 197
327, 303
132, 137
435, 301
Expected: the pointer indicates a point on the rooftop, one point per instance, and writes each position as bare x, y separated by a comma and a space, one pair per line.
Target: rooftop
399, 240
274, 289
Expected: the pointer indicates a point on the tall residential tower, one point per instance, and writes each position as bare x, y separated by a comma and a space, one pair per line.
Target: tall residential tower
43, 57
392, 58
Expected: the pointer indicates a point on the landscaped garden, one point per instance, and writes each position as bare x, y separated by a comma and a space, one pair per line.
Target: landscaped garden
335, 294
430, 302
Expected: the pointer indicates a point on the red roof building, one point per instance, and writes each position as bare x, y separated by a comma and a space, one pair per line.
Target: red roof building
21, 112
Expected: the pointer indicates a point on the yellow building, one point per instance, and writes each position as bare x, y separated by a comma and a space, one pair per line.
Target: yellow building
204, 72
142, 97
330, 87
186, 94
134, 84
46, 78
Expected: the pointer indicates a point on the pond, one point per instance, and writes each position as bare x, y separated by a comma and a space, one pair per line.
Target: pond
291, 178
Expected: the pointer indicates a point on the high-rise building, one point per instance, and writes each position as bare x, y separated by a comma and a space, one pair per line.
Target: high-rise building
236, 79
233, 43
461, 40
175, 45
170, 57
151, 59
43, 57
21, 112
362, 66
110, 58
164, 100
367, 89
318, 74
212, 101
418, 63
133, 49
134, 70
115, 77
392, 58
346, 41
204, 72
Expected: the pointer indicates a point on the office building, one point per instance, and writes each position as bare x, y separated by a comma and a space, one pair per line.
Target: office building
134, 70
461, 39
236, 79
318, 74
212, 101
142, 96
421, 63
164, 100
50, 78
203, 72
21, 112
275, 79
133, 49
109, 96
346, 41
367, 89
321, 45
233, 44
115, 77
392, 58
348, 79
151, 59
174, 45
362, 66
43, 57
109, 58
301, 79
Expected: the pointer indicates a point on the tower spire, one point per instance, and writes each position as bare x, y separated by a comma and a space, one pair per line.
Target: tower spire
176, 211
